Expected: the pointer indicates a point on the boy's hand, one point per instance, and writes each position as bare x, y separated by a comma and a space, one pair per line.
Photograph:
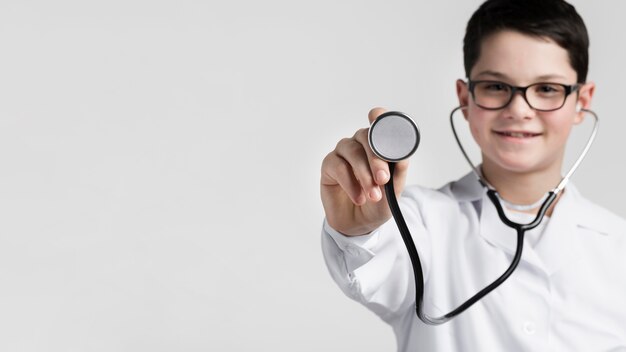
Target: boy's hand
352, 184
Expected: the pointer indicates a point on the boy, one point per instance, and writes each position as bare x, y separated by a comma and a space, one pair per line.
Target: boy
568, 292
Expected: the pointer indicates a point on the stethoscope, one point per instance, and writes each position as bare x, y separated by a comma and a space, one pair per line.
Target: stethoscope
393, 137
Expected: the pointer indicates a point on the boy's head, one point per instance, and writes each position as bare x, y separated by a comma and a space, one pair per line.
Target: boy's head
526, 63
552, 19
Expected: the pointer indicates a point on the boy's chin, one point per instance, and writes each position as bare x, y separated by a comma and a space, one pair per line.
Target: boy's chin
514, 165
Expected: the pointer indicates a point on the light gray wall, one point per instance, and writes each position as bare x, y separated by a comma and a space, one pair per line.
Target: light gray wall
159, 161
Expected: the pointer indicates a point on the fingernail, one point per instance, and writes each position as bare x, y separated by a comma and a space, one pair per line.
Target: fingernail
375, 193
381, 176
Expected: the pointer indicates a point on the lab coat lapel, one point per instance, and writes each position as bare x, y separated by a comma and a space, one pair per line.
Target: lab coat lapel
494, 231
560, 241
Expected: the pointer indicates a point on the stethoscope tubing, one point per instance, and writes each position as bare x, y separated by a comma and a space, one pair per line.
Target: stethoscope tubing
494, 197
417, 264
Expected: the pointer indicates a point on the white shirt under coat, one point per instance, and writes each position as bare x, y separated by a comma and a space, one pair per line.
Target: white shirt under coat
567, 294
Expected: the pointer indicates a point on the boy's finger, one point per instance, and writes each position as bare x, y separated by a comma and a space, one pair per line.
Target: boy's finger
339, 173
378, 167
352, 151
374, 113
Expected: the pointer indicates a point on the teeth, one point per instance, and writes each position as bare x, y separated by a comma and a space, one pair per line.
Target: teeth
517, 134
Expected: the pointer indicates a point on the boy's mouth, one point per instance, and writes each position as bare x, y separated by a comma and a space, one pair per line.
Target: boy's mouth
517, 134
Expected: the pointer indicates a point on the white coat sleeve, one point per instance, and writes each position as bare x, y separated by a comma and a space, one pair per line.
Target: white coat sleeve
375, 269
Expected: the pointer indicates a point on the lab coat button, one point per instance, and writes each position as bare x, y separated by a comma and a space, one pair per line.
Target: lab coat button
529, 328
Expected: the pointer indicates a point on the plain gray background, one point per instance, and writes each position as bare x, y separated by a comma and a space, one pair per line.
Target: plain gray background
159, 161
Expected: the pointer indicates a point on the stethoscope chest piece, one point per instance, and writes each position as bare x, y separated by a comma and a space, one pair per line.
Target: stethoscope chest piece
394, 136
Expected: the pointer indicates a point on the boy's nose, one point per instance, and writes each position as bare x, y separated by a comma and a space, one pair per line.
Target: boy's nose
519, 108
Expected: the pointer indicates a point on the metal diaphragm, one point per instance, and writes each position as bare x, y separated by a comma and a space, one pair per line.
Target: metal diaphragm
394, 136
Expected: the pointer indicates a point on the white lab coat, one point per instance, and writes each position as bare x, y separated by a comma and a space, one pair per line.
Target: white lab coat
567, 294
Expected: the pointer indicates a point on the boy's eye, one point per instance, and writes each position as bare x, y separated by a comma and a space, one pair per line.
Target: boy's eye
495, 86
548, 89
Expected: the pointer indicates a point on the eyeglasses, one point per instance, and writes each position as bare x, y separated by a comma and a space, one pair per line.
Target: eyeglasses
494, 95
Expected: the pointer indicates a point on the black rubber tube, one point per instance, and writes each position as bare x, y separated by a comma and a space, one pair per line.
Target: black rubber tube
417, 264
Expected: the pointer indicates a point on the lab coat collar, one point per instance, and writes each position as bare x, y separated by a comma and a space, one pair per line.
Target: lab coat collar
468, 188
496, 233
560, 241
574, 219
584, 213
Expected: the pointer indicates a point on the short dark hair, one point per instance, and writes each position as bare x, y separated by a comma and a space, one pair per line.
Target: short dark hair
553, 19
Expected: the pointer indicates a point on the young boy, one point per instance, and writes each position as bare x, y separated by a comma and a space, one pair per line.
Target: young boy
569, 290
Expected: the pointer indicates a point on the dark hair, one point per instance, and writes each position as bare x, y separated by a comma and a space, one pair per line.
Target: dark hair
553, 19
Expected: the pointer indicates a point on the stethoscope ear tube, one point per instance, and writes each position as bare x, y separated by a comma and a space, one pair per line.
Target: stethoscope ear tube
493, 196
592, 137
564, 180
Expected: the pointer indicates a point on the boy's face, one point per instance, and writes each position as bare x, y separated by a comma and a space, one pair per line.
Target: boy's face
517, 137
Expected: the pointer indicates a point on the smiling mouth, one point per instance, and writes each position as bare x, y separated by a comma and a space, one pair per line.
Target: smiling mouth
517, 134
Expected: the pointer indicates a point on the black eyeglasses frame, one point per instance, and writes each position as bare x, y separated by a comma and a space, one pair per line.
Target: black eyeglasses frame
569, 89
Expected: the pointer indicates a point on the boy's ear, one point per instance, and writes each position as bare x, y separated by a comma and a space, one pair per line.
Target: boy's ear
462, 93
585, 95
